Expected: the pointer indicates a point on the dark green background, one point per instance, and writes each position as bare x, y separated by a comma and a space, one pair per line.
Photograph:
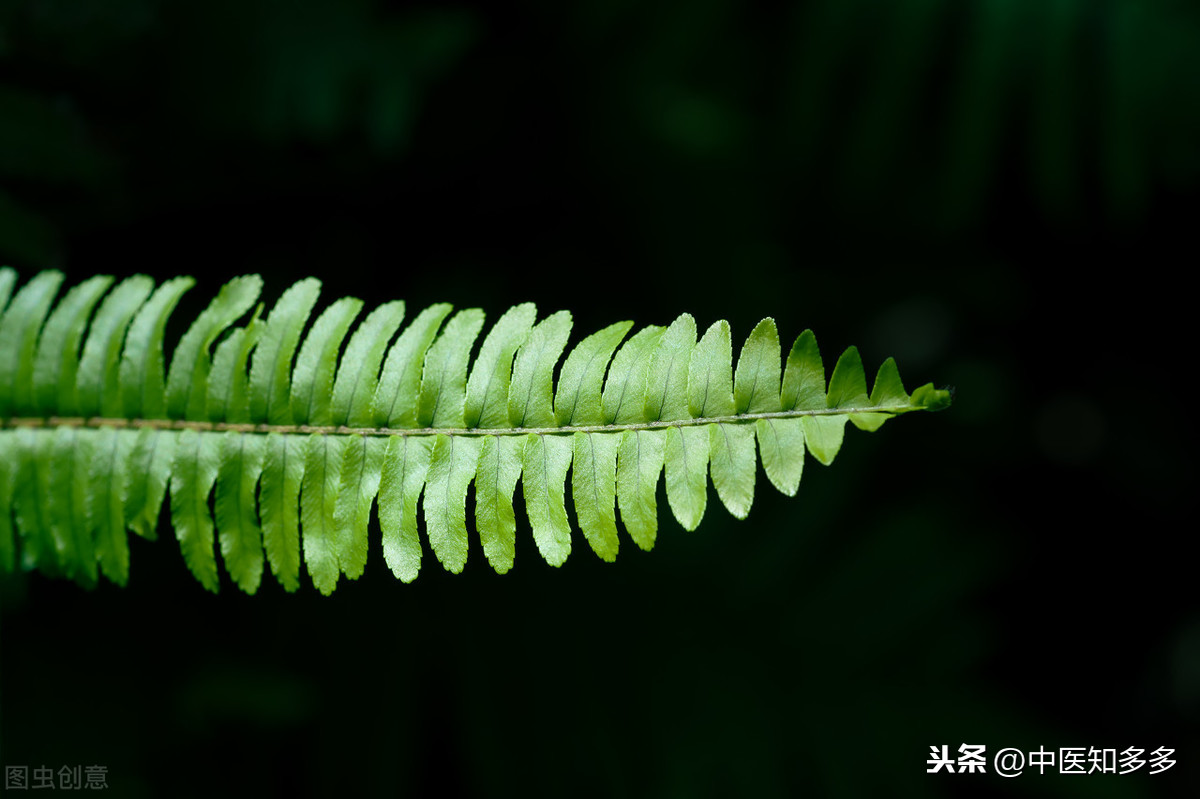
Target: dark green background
1002, 194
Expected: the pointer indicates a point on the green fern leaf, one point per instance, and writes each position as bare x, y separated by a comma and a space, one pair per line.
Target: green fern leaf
105, 510
639, 464
98, 384
312, 382
451, 469
56, 364
279, 498
400, 382
271, 367
187, 377
405, 467
9, 454
279, 464
594, 490
19, 330
149, 473
354, 388
238, 531
193, 473
8, 279
487, 389
142, 371
496, 477
361, 470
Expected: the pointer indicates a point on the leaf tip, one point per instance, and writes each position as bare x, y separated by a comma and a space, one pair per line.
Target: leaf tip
933, 399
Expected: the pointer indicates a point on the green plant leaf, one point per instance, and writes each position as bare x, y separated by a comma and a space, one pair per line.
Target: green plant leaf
405, 467
594, 489
625, 388
710, 379
193, 472
19, 330
451, 469
8, 279
400, 381
803, 375
756, 383
318, 504
150, 463
271, 367
361, 469
546, 460
9, 460
57, 361
105, 506
99, 388
31, 490
530, 396
142, 375
639, 464
238, 531
442, 401
667, 392
312, 382
487, 389
273, 443
577, 401
731, 458
278, 500
228, 397
187, 378
68, 509
358, 375
781, 446
685, 457
499, 469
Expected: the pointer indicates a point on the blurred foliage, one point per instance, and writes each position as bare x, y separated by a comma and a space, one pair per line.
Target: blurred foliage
926, 111
79, 81
313, 71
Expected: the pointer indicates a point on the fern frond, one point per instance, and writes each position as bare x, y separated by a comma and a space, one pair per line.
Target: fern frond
94, 435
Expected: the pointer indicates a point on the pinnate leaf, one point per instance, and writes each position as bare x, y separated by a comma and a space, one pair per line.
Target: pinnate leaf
274, 437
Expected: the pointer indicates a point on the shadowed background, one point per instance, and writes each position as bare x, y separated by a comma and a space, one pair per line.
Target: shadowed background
1000, 194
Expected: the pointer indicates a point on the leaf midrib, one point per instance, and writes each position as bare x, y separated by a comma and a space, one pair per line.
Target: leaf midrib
244, 427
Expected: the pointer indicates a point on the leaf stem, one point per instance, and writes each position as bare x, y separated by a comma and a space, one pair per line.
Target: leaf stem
301, 429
